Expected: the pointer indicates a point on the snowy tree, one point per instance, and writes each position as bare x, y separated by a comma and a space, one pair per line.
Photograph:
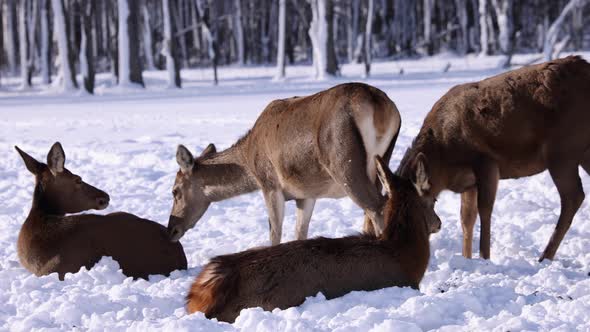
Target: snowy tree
23, 37
169, 51
86, 45
503, 9
324, 61
46, 41
281, 42
128, 43
483, 27
10, 34
147, 37
553, 32
368, 37
239, 31
66, 64
427, 14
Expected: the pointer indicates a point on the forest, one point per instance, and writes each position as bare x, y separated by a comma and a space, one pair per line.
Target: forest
66, 42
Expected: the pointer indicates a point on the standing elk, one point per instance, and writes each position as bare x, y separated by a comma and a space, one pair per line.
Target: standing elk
515, 124
301, 148
51, 241
283, 276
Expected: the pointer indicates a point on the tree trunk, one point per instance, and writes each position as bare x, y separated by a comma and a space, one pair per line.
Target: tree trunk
321, 39
45, 58
368, 37
10, 34
147, 37
239, 31
129, 61
463, 45
86, 52
24, 44
170, 51
483, 27
503, 10
427, 11
66, 63
281, 42
553, 32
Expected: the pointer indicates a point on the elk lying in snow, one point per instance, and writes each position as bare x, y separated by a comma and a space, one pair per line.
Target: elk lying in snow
51, 241
516, 124
284, 275
301, 148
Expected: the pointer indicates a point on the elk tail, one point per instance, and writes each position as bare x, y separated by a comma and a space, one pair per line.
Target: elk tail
212, 288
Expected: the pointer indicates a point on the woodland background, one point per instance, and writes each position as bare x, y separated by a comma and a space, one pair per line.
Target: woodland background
66, 42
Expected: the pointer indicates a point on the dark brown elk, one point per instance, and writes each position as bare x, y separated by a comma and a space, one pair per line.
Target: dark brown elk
283, 276
301, 149
512, 125
51, 241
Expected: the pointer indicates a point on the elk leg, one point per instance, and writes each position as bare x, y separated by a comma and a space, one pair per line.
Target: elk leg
487, 176
275, 205
468, 217
568, 183
304, 211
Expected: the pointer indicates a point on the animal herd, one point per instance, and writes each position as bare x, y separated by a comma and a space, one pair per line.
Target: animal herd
334, 143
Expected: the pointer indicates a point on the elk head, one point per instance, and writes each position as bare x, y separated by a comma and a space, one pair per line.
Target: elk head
190, 200
403, 194
61, 190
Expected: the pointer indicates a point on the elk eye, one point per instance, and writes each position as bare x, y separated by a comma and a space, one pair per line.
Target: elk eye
174, 192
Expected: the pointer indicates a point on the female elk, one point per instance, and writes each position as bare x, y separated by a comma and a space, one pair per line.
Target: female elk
284, 275
51, 241
516, 124
301, 148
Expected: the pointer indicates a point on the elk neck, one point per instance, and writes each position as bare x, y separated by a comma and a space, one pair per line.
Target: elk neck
225, 174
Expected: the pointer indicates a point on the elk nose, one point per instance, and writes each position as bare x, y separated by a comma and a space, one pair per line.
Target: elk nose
175, 233
102, 202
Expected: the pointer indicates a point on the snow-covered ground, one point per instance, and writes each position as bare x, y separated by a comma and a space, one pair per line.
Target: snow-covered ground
124, 142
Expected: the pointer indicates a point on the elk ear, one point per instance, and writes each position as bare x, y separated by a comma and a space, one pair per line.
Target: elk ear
185, 159
420, 176
56, 158
209, 150
31, 163
385, 176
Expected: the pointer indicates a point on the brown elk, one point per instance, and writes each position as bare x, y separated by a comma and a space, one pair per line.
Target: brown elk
515, 124
301, 148
283, 276
51, 241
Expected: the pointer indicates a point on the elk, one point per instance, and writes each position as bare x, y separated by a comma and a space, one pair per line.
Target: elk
512, 125
283, 276
301, 149
51, 241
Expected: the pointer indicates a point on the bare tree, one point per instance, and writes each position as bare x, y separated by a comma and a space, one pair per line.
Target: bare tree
320, 33
129, 61
483, 27
148, 47
45, 58
87, 8
553, 32
25, 65
427, 13
169, 51
503, 9
368, 38
66, 63
281, 42
10, 30
239, 32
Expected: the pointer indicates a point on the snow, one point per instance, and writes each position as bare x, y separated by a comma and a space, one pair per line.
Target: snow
125, 143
